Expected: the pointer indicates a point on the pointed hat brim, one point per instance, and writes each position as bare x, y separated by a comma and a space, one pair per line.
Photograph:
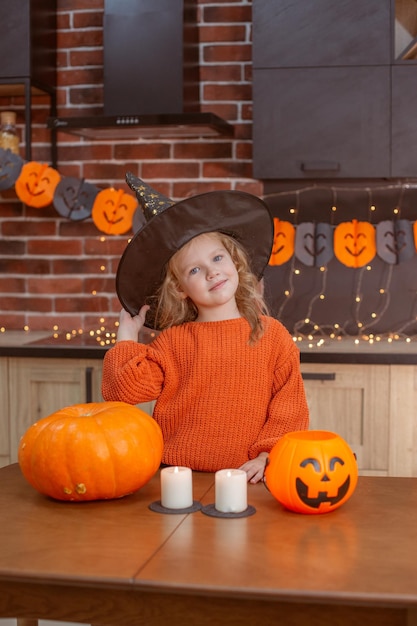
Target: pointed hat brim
239, 214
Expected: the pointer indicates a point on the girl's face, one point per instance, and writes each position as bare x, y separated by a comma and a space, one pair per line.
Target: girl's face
208, 276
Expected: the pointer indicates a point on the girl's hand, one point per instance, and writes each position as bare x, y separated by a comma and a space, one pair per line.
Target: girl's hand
255, 468
129, 326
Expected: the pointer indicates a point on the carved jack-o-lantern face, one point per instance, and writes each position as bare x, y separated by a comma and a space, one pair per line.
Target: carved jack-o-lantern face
10, 168
74, 198
283, 246
113, 211
314, 243
394, 241
354, 243
311, 471
36, 184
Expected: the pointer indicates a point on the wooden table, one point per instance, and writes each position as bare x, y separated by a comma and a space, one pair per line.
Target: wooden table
117, 562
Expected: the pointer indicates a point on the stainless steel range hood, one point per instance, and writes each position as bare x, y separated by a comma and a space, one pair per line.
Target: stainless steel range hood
145, 78
136, 126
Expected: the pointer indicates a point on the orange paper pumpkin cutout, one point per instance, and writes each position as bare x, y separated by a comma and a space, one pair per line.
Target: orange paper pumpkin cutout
354, 243
312, 471
113, 211
36, 184
283, 246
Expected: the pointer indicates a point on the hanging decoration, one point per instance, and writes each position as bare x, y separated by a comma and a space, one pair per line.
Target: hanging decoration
395, 241
283, 246
314, 243
366, 291
36, 184
354, 243
10, 167
74, 198
113, 211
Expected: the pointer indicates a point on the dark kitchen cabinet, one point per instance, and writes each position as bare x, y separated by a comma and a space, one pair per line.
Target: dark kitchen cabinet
329, 99
321, 122
287, 33
404, 121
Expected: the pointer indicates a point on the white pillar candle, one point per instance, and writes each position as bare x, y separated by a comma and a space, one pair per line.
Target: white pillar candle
231, 490
176, 487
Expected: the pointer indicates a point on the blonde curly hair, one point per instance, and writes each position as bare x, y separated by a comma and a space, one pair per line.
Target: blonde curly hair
172, 310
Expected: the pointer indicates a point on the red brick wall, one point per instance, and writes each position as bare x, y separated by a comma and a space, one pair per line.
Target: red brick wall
58, 273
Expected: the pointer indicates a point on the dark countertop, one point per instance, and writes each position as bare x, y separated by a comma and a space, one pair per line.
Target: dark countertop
86, 345
41, 344
352, 350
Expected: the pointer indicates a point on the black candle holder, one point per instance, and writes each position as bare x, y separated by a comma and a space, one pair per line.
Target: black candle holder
210, 509
158, 508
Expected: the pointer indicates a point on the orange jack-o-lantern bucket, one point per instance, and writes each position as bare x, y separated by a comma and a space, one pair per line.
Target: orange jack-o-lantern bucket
312, 471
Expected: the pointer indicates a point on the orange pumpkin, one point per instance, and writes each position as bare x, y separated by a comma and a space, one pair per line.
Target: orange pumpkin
36, 184
312, 471
113, 211
91, 451
354, 243
283, 246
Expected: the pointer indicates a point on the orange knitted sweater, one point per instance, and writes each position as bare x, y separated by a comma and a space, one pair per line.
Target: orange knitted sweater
219, 400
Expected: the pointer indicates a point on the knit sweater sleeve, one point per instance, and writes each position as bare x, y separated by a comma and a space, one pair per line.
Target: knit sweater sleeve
132, 373
288, 410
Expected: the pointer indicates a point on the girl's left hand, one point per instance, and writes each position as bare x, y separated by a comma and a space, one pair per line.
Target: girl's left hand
255, 468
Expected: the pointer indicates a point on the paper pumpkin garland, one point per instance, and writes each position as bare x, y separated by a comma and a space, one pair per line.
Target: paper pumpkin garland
36, 184
354, 243
395, 241
314, 243
10, 167
113, 211
74, 198
283, 246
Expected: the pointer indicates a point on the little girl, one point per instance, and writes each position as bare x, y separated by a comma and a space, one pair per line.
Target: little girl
225, 375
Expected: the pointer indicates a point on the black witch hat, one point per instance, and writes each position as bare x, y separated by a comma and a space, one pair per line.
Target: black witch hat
169, 225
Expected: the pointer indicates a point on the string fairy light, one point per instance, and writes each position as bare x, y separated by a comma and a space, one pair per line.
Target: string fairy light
365, 315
